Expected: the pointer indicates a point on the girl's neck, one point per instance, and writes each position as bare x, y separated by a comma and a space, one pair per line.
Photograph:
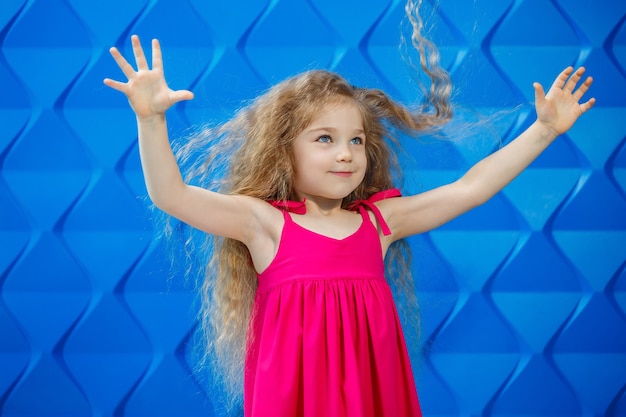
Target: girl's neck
322, 206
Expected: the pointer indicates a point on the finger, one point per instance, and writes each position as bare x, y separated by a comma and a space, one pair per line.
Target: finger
578, 94
540, 94
562, 78
140, 57
116, 85
157, 58
126, 68
587, 105
181, 95
573, 80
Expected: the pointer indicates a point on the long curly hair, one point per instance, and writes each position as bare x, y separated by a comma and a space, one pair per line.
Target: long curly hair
251, 154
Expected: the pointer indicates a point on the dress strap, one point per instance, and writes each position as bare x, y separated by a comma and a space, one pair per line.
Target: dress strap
369, 203
298, 207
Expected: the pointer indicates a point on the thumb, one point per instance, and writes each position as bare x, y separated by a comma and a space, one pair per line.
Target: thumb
540, 94
181, 95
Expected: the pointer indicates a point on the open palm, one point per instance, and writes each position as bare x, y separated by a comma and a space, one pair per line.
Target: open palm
146, 88
561, 107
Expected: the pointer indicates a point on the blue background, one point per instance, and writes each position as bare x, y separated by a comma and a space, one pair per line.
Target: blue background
523, 300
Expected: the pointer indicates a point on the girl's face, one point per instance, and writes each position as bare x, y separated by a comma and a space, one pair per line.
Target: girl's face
329, 155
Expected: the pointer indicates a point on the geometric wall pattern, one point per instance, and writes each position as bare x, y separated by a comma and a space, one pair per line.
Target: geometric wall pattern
523, 300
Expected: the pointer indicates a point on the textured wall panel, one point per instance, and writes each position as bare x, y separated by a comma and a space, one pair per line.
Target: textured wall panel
523, 300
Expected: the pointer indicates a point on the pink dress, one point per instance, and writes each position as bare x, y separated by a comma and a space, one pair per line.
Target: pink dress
327, 338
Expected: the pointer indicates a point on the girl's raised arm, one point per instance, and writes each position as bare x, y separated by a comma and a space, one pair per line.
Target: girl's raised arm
556, 113
150, 97
237, 217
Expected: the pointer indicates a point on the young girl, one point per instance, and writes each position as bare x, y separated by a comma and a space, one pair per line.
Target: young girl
307, 219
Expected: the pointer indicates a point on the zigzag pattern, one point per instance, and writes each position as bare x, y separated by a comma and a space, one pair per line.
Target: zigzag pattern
523, 300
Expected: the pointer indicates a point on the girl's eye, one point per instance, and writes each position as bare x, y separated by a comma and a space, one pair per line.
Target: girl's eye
324, 139
357, 141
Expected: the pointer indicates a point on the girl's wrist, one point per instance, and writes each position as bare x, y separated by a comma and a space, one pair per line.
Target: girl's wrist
151, 119
545, 132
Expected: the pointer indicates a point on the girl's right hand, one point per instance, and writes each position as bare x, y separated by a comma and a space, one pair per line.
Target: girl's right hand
146, 89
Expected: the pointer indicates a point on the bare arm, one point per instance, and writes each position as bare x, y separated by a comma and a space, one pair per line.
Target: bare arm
242, 218
556, 113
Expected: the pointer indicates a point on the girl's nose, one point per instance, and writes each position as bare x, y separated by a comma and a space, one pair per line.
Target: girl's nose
344, 154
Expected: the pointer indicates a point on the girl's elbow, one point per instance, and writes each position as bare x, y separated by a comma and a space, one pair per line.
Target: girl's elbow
164, 202
159, 203
168, 198
475, 196
479, 199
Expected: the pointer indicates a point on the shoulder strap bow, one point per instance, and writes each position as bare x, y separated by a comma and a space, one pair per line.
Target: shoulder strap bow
297, 207
369, 203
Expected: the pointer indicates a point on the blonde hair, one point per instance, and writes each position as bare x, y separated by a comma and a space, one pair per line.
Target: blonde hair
251, 154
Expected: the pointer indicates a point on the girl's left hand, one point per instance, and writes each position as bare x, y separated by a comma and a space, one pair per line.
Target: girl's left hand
561, 107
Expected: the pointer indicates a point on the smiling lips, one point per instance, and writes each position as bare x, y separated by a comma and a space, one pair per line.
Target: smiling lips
343, 174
